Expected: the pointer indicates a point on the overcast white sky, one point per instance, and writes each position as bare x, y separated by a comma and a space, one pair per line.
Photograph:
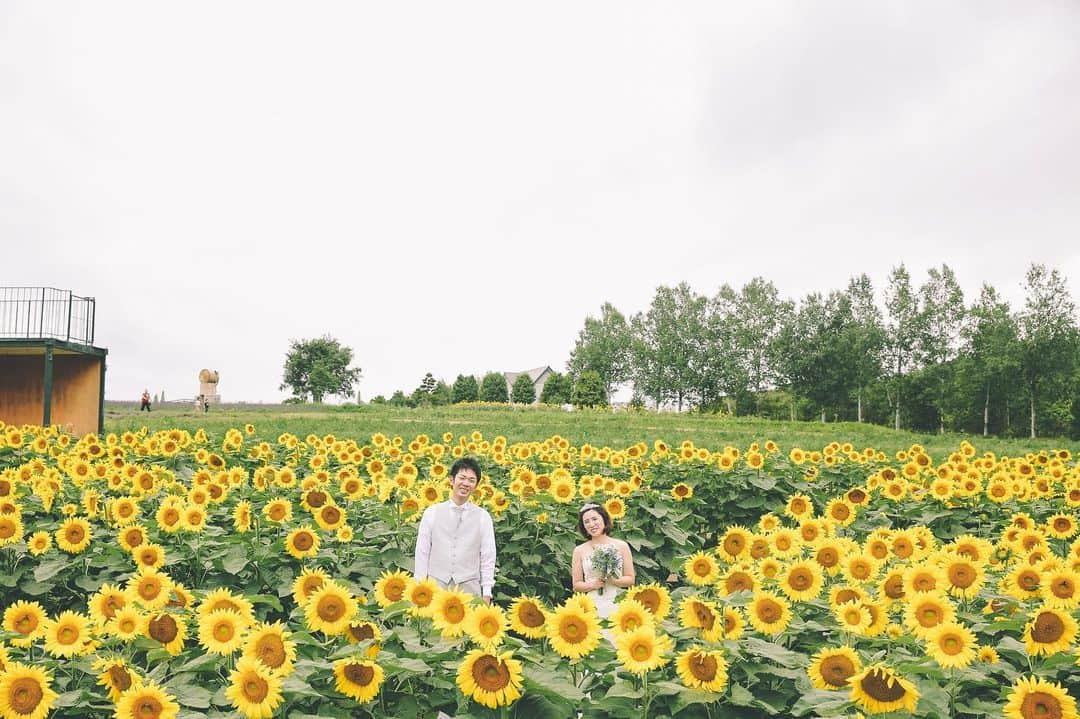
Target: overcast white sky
453, 187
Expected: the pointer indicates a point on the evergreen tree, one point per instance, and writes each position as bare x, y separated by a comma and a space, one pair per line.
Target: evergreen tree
557, 389
465, 389
493, 388
523, 391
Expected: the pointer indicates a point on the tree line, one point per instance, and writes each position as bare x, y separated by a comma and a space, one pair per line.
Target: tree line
924, 360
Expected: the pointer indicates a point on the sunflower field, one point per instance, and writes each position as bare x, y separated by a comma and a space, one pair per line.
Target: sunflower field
176, 574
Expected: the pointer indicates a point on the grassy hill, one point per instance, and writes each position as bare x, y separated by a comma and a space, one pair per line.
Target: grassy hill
614, 429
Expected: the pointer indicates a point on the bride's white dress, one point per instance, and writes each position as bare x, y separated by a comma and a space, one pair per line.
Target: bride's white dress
605, 603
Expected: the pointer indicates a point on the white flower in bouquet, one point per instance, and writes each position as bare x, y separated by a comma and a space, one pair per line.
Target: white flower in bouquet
606, 563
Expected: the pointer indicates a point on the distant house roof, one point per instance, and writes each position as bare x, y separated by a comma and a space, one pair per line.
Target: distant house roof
534, 374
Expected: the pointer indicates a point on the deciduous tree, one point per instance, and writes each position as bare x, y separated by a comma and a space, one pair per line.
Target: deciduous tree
319, 367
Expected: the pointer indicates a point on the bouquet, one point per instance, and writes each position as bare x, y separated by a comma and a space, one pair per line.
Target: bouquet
606, 563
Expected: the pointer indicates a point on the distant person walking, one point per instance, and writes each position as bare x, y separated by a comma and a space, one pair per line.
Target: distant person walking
205, 404
145, 401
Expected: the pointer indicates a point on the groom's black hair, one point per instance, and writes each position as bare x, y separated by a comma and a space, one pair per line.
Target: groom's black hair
599, 509
466, 463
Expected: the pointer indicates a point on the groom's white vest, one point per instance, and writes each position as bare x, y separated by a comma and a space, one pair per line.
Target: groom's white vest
457, 538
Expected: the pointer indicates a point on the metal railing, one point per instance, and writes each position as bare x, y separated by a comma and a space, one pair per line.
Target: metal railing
46, 313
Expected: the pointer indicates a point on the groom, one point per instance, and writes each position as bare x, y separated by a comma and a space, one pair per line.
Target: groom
456, 541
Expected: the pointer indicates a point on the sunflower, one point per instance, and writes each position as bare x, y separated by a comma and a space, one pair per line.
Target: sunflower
169, 630
302, 542
420, 594
116, 676
106, 602
964, 577
126, 624
860, 568
330, 609
681, 491
486, 625
222, 598
358, 678
74, 535
528, 617
801, 581
878, 689
391, 587
1022, 582
67, 635
698, 613
928, 610
1049, 631
221, 631
832, 668
643, 650
786, 543
146, 701
278, 510
1035, 698
734, 543
740, 578
701, 569
769, 613
150, 588
306, 583
841, 511
1061, 589
27, 620
630, 615
39, 542
149, 555
853, 616
923, 578
25, 692
828, 554
330, 517
1061, 526
131, 536
489, 679
365, 631
951, 645
253, 689
653, 597
573, 633
799, 507
270, 644
702, 669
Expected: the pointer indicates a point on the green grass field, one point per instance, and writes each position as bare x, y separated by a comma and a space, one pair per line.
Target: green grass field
599, 428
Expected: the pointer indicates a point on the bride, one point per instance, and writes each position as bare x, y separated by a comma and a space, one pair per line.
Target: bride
594, 524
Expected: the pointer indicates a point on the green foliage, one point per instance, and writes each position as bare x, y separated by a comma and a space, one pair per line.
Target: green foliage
398, 399
557, 389
603, 345
523, 391
319, 367
465, 389
589, 390
493, 388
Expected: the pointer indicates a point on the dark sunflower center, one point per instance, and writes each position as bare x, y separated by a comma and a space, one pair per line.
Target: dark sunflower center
490, 674
882, 686
359, 674
255, 688
270, 650
163, 628
1040, 705
1047, 628
531, 616
703, 667
836, 670
330, 609
303, 541
25, 694
120, 678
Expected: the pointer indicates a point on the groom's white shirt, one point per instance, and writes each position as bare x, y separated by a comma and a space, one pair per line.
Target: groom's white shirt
456, 545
